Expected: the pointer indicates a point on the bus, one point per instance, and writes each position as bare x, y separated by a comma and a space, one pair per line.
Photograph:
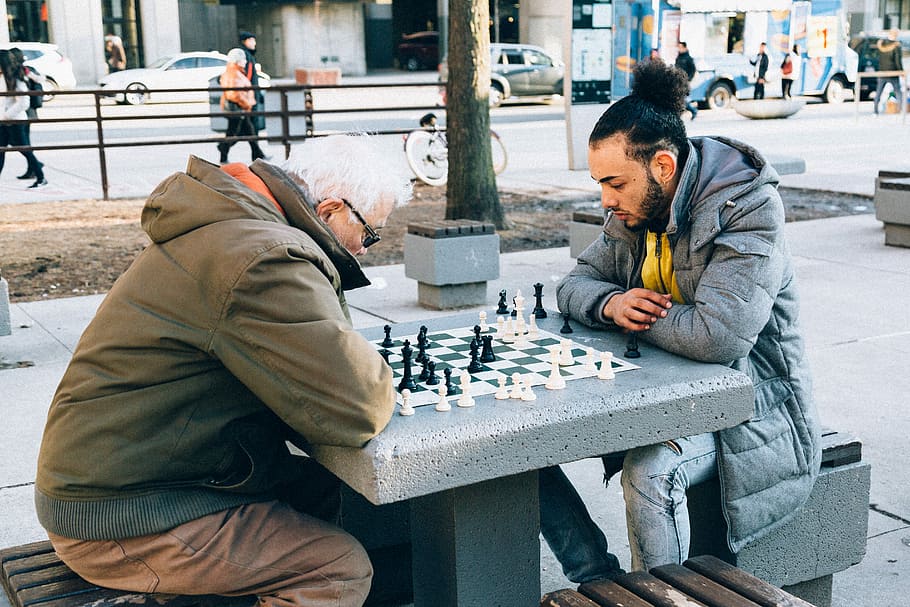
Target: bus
723, 35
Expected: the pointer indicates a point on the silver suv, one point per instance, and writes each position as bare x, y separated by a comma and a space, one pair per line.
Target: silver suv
520, 70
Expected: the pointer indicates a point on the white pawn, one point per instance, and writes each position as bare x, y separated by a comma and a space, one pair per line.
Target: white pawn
465, 400
606, 366
517, 389
508, 334
483, 322
555, 381
406, 408
500, 327
528, 393
533, 331
565, 357
502, 393
590, 364
443, 404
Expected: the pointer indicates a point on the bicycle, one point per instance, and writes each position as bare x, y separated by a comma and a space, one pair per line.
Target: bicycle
427, 151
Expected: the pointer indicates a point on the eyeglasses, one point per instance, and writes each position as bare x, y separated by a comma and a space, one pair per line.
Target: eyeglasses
371, 237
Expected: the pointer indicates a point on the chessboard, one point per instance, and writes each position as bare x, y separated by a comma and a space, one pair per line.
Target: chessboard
530, 357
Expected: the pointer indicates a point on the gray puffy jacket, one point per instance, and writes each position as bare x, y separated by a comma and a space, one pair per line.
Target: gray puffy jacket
734, 270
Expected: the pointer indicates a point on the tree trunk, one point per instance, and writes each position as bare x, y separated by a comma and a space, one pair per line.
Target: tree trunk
471, 191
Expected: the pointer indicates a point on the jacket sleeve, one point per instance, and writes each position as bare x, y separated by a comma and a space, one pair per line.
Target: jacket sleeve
596, 277
736, 290
285, 335
17, 104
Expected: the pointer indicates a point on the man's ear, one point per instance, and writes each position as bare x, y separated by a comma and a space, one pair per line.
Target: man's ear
328, 206
663, 166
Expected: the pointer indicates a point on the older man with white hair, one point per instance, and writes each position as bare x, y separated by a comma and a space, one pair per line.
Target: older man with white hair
164, 465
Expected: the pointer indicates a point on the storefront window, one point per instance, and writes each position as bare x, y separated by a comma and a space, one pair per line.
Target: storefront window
27, 20
121, 19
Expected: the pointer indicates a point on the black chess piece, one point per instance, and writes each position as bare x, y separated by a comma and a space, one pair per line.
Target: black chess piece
514, 309
451, 389
632, 346
432, 378
385, 355
407, 379
566, 327
486, 354
476, 334
387, 342
502, 308
539, 311
475, 366
424, 370
421, 350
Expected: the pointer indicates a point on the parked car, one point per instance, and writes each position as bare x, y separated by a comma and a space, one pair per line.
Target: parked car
520, 71
866, 46
183, 70
419, 51
49, 61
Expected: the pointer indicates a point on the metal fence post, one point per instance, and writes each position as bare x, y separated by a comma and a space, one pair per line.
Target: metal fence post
102, 159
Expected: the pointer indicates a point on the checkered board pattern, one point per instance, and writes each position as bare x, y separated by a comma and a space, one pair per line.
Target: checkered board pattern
452, 348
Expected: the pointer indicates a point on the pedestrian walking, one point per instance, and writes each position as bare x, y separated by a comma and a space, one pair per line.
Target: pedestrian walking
13, 116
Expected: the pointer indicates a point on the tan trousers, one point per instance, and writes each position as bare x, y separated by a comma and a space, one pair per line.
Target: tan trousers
269, 549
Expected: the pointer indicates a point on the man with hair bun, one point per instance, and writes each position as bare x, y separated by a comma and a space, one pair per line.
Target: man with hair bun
165, 464
693, 258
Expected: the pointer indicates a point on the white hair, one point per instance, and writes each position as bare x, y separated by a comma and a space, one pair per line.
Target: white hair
352, 167
236, 55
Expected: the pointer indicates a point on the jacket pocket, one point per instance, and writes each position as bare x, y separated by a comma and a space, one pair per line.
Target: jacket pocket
745, 260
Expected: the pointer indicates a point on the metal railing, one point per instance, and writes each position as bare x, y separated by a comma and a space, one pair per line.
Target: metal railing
285, 116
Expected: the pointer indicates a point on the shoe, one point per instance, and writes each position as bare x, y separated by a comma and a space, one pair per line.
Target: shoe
26, 175
38, 183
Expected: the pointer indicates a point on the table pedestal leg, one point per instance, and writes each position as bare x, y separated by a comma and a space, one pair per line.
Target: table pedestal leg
478, 545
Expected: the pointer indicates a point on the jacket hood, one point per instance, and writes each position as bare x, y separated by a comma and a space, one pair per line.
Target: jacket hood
205, 194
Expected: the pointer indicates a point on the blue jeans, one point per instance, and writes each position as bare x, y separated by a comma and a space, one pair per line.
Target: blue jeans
654, 481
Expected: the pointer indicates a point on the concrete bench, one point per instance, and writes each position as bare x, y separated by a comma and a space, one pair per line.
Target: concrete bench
583, 229
827, 535
706, 579
5, 323
892, 206
451, 260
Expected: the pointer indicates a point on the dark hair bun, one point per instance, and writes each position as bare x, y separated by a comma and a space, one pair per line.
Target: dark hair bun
662, 85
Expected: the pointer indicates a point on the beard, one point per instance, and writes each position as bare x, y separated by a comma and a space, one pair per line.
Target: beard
655, 208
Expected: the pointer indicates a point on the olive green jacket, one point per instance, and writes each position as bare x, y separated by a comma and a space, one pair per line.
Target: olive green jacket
227, 336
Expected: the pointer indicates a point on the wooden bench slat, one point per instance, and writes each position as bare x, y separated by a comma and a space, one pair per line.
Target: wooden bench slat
700, 587
657, 592
744, 583
566, 598
609, 594
41, 577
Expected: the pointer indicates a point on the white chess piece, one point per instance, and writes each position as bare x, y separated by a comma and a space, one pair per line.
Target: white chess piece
606, 366
533, 330
465, 400
565, 357
502, 393
589, 362
508, 334
555, 381
500, 327
517, 389
483, 322
406, 408
443, 404
528, 393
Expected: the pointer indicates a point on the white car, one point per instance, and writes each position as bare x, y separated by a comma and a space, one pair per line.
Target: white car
47, 59
183, 70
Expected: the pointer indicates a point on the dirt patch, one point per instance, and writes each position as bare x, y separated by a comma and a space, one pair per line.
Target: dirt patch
70, 248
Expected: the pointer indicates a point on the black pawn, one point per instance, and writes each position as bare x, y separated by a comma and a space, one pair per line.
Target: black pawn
476, 334
502, 308
432, 378
450, 388
424, 370
475, 366
486, 355
632, 346
421, 357
387, 342
385, 355
539, 312
566, 327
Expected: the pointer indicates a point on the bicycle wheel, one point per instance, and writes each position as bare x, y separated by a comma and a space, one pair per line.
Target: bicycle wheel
500, 158
428, 157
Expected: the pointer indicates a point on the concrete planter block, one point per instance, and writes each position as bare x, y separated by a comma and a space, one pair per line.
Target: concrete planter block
318, 75
584, 228
5, 327
892, 207
764, 109
451, 260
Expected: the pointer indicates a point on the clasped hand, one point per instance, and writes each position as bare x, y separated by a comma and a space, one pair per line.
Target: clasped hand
637, 309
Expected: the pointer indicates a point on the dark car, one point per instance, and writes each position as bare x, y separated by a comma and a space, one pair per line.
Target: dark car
419, 51
866, 46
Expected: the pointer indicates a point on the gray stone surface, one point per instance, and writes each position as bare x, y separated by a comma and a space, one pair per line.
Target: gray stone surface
447, 297
763, 109
581, 235
5, 327
455, 260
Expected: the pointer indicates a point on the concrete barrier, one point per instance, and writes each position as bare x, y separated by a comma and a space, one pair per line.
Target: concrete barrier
5, 326
892, 206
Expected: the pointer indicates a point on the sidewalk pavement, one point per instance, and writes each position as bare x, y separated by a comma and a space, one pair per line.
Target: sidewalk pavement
855, 319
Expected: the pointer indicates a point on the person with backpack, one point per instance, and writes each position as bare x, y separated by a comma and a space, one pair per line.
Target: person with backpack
34, 80
761, 63
790, 71
889, 60
13, 115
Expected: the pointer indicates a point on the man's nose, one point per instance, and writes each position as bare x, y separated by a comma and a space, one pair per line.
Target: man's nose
607, 201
